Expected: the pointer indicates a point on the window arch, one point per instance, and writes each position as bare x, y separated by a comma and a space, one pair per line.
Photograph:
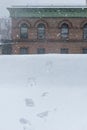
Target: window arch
41, 31
64, 31
85, 32
24, 31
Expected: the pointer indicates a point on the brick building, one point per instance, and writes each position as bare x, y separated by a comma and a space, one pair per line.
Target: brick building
49, 29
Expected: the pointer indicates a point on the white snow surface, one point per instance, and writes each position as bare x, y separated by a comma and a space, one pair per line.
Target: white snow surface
43, 92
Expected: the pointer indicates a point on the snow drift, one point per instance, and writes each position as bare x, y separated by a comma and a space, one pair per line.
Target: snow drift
44, 70
43, 92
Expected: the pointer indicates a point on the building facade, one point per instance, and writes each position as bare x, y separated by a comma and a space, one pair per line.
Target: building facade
5, 29
43, 30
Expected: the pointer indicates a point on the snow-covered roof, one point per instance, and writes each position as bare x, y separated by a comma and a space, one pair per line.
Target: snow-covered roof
49, 6
48, 11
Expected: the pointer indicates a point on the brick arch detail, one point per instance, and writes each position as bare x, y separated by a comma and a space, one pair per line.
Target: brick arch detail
66, 22
83, 23
23, 21
39, 22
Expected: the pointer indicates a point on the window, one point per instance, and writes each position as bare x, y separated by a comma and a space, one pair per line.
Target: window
41, 31
24, 31
23, 50
85, 32
7, 49
41, 50
84, 50
64, 50
64, 31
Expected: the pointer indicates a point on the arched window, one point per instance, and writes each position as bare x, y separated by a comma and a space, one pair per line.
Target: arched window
24, 31
41, 31
64, 31
85, 32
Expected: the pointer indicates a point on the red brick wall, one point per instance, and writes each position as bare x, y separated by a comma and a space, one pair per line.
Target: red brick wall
75, 41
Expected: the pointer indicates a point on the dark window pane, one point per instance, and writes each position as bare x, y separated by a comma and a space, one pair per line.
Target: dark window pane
7, 49
23, 50
41, 50
24, 31
85, 32
64, 31
41, 31
64, 50
84, 50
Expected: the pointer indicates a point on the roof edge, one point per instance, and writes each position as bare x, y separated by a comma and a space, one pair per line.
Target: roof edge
48, 6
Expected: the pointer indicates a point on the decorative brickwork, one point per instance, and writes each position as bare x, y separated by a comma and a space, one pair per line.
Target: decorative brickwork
53, 42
